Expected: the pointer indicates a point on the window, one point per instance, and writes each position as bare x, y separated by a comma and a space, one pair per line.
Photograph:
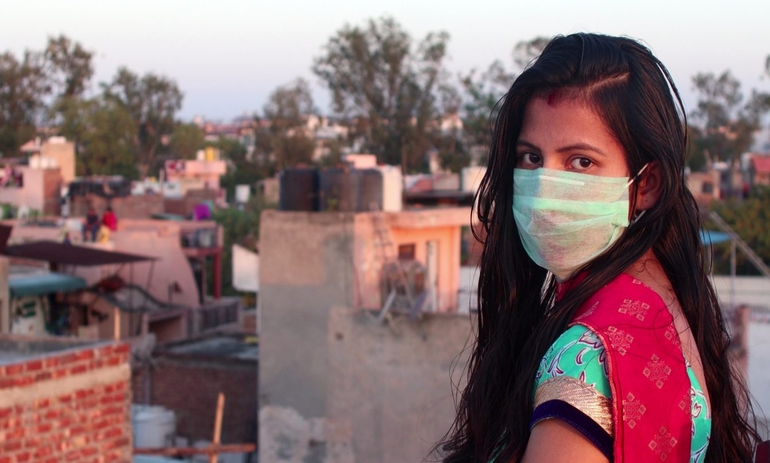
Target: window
406, 251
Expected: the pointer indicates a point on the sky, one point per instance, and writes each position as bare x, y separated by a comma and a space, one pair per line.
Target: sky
228, 56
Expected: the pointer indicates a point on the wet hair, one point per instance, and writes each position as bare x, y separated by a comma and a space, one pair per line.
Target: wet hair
519, 317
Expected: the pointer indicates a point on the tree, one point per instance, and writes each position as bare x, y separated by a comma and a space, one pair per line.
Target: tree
378, 75
69, 66
152, 102
483, 92
725, 127
749, 218
287, 111
104, 132
186, 140
23, 88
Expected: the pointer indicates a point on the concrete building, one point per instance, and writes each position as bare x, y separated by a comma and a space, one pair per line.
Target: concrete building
31, 188
202, 173
335, 385
225, 363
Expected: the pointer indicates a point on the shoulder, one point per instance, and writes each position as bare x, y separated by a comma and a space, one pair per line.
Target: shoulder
577, 354
572, 386
625, 301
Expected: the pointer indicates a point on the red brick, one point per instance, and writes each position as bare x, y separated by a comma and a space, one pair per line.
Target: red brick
15, 434
113, 360
43, 376
23, 457
60, 373
52, 414
117, 443
112, 432
6, 412
112, 410
51, 362
85, 355
66, 359
13, 369
24, 381
43, 451
52, 460
11, 447
123, 347
5, 459
43, 428
34, 365
88, 451
77, 369
7, 383
42, 403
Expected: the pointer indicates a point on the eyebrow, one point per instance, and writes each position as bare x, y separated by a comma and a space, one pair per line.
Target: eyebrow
573, 147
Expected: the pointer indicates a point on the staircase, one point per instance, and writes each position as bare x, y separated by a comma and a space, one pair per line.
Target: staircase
742, 245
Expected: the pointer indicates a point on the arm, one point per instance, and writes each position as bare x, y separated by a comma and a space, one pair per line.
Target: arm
554, 441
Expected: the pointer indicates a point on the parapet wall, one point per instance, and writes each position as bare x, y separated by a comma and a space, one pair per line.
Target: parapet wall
72, 405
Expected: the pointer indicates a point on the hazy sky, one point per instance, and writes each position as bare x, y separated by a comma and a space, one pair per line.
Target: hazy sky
228, 55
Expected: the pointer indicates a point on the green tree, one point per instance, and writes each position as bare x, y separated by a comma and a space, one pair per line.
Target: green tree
749, 218
377, 74
152, 102
104, 132
69, 65
483, 91
186, 140
726, 125
287, 111
240, 227
23, 88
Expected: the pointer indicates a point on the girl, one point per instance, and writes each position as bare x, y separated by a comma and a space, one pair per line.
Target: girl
599, 337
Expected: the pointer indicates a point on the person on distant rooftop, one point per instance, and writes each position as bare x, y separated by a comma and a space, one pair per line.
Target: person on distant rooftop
109, 219
599, 337
91, 225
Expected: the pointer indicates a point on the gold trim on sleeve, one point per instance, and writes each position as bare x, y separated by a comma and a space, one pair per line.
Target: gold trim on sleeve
580, 395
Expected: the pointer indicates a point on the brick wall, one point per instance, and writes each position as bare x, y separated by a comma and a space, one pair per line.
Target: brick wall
52, 192
125, 207
71, 406
171, 385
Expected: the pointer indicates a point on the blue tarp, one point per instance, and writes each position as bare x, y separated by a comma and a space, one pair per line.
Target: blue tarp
46, 283
708, 237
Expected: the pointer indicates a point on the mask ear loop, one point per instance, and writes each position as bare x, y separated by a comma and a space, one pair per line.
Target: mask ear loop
637, 214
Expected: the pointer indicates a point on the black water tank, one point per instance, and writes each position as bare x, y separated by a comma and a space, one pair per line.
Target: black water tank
338, 190
370, 197
298, 189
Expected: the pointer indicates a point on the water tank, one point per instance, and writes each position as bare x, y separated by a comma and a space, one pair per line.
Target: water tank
338, 190
298, 190
153, 426
370, 196
393, 187
242, 193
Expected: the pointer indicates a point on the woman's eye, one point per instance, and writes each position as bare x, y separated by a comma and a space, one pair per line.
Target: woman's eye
581, 163
529, 160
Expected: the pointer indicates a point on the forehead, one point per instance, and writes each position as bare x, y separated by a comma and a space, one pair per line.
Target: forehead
555, 119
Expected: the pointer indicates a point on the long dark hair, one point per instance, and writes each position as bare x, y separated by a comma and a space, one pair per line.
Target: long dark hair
518, 316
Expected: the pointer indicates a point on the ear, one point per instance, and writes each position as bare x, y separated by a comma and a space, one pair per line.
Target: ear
649, 186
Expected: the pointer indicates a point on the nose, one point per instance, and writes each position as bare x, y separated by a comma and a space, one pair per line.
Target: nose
552, 162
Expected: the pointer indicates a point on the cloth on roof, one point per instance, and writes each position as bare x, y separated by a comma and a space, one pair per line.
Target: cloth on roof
709, 237
68, 254
45, 283
761, 163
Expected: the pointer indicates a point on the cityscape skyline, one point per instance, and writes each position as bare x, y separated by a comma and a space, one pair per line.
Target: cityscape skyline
228, 57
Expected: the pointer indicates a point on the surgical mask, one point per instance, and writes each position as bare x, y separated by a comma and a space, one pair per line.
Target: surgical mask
566, 219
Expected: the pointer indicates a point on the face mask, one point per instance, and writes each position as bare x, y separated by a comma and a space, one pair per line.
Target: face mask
566, 219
